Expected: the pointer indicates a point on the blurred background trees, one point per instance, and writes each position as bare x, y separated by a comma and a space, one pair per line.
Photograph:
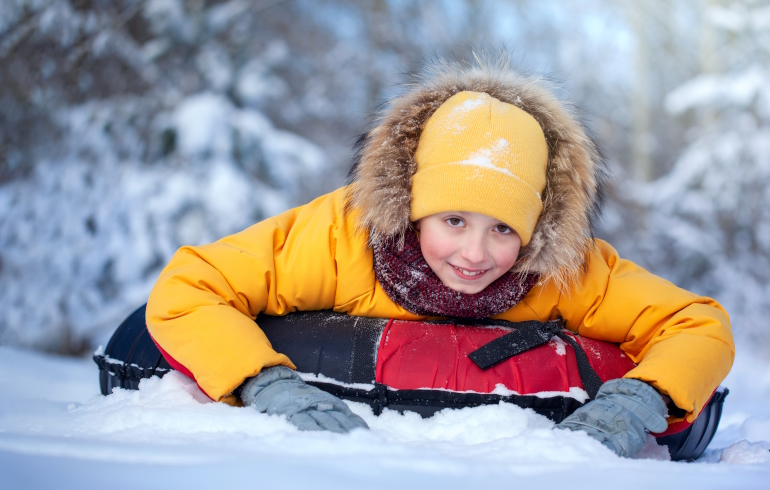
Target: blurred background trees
131, 127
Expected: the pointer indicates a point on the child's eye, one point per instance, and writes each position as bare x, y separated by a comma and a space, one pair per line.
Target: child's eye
502, 229
454, 221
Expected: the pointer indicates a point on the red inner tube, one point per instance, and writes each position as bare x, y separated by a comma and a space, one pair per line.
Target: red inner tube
423, 366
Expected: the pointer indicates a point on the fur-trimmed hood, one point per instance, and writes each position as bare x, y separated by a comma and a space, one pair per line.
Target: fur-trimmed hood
381, 179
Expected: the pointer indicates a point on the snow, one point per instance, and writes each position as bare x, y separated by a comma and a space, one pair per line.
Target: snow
745, 452
483, 158
486, 158
468, 106
56, 431
574, 392
559, 345
320, 378
255, 83
456, 116
718, 90
202, 124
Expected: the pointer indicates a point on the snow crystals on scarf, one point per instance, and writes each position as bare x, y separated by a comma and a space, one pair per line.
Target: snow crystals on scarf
409, 281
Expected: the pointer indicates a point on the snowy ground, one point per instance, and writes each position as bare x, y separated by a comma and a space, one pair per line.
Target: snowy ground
57, 432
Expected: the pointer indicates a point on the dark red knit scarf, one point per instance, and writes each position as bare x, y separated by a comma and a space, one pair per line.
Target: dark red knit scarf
409, 281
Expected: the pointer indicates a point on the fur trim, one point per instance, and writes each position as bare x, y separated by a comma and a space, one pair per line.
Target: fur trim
381, 178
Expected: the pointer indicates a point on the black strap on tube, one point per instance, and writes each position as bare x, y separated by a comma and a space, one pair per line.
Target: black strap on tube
529, 335
591, 381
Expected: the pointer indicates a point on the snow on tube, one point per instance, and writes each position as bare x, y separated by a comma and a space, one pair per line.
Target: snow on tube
425, 367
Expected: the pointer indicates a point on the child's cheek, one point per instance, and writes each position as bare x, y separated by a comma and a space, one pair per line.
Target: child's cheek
506, 256
435, 248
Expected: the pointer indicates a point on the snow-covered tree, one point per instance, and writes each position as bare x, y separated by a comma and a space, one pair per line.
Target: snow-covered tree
706, 224
126, 132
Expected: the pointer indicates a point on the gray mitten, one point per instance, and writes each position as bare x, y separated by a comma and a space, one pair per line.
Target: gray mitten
622, 413
278, 390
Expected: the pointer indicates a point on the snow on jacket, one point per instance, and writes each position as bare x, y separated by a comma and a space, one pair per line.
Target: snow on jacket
318, 256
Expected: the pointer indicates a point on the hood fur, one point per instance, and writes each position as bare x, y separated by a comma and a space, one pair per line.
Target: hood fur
381, 178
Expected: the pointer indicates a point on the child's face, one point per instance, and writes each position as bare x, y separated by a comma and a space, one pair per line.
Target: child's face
467, 251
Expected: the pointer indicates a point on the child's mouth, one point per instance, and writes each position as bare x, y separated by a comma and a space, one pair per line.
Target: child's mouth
467, 274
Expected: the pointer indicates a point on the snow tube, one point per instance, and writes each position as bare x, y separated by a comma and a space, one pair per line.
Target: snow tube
425, 367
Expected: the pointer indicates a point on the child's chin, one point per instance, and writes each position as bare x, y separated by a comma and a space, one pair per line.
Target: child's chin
466, 288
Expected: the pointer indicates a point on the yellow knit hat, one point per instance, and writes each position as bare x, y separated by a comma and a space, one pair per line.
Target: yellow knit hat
478, 154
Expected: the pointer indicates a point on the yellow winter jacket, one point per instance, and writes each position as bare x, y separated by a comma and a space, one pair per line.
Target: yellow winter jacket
317, 256
203, 307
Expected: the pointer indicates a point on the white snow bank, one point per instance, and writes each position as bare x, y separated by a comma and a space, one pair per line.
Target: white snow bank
168, 433
745, 452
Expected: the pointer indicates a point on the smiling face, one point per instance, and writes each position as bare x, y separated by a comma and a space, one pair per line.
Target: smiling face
467, 251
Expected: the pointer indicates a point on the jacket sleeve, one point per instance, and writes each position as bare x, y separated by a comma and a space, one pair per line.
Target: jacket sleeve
682, 342
201, 311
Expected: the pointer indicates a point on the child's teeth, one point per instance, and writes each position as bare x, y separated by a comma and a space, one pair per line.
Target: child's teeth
468, 273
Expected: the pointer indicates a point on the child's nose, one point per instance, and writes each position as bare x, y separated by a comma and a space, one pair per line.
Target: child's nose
475, 250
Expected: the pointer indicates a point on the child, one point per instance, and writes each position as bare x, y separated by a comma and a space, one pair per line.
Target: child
473, 196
